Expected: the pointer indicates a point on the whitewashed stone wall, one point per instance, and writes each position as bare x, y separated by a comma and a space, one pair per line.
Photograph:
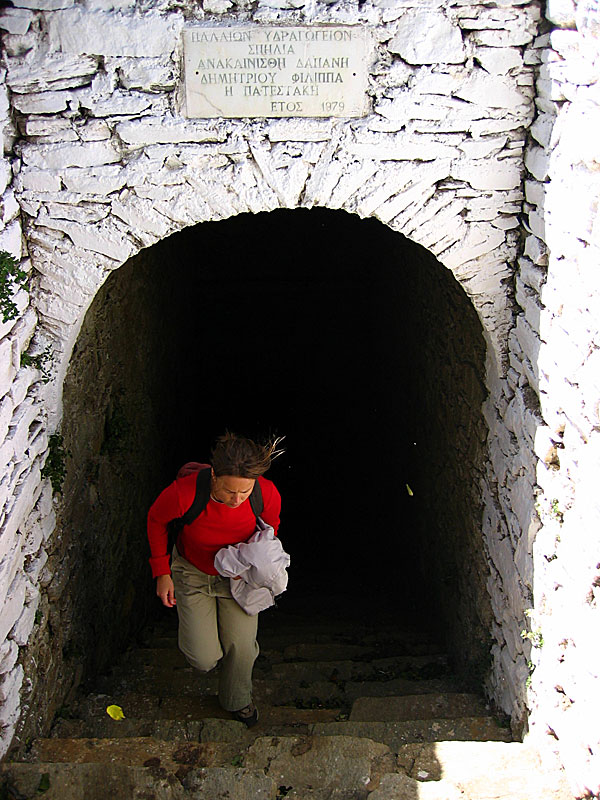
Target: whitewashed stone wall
105, 164
23, 443
557, 346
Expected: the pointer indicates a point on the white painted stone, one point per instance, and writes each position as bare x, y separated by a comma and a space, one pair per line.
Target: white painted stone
9, 208
428, 37
9, 715
300, 130
118, 104
13, 605
59, 156
7, 453
49, 126
21, 384
23, 416
101, 180
505, 223
9, 652
114, 34
493, 91
216, 6
488, 174
499, 60
6, 405
5, 174
52, 72
542, 128
481, 238
44, 5
155, 130
412, 186
11, 239
11, 683
88, 213
23, 330
94, 130
536, 250
24, 625
96, 239
38, 180
561, 12
140, 215
482, 148
494, 126
15, 20
7, 367
36, 565
147, 74
110, 5
400, 147
507, 38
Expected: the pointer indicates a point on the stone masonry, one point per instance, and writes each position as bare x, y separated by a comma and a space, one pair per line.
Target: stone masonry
480, 145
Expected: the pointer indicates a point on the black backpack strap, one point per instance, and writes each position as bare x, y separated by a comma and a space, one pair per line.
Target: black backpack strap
201, 497
199, 503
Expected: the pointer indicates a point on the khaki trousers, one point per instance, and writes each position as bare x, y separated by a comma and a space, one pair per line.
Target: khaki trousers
212, 626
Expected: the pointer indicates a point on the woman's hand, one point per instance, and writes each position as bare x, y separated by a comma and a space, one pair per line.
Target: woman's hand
166, 590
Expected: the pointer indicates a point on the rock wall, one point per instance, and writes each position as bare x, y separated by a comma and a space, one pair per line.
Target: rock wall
105, 164
556, 346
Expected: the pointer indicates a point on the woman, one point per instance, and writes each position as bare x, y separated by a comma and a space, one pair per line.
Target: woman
211, 624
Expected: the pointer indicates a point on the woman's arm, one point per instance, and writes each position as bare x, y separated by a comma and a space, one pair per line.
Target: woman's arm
165, 508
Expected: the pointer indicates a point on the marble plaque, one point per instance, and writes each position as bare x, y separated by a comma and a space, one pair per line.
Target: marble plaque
277, 71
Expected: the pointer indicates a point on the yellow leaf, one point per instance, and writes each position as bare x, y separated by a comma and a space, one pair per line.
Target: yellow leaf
115, 712
409, 490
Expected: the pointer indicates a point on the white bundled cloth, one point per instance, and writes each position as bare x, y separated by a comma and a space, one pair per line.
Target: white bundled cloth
261, 563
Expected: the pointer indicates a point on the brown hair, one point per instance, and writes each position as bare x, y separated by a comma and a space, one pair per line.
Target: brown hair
235, 455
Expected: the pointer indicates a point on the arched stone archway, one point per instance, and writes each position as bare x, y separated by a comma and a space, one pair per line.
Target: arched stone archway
353, 341
107, 166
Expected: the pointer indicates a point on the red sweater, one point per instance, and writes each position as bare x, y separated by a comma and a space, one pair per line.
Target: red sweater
216, 527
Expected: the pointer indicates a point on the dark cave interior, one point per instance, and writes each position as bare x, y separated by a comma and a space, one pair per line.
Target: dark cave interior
343, 336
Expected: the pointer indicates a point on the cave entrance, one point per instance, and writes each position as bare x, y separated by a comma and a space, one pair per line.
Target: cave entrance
345, 337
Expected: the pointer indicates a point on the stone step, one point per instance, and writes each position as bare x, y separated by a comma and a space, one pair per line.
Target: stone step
384, 669
397, 734
345, 651
169, 657
398, 687
346, 766
423, 706
484, 770
183, 680
273, 721
137, 752
95, 781
302, 768
330, 694
180, 681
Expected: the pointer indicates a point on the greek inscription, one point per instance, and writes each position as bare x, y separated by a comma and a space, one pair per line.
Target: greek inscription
262, 71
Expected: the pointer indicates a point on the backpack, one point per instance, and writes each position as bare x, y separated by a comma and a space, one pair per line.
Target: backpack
200, 501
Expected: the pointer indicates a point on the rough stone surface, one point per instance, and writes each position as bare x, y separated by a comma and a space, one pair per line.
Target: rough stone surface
439, 158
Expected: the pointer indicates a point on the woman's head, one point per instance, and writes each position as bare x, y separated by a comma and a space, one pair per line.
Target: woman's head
240, 457
236, 463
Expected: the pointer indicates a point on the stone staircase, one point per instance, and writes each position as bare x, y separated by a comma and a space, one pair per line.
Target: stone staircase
349, 710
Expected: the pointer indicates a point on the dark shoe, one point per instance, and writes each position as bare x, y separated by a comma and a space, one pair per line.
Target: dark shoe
248, 715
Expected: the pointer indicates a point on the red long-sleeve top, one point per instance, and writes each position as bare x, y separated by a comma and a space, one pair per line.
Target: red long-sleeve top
216, 527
